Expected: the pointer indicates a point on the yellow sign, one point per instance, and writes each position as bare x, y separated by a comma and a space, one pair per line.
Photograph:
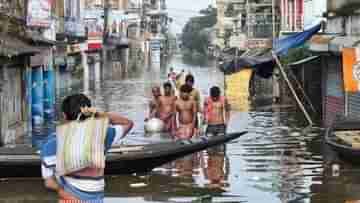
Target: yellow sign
237, 90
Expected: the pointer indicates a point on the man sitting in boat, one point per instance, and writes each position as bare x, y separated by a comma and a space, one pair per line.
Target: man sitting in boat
216, 112
86, 184
154, 103
186, 109
166, 108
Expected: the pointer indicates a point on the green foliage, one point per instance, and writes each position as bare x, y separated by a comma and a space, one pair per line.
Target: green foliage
230, 11
295, 55
192, 37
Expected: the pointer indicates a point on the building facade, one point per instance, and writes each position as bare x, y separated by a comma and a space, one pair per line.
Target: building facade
292, 15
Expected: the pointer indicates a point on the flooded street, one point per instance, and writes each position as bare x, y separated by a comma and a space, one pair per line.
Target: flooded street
277, 161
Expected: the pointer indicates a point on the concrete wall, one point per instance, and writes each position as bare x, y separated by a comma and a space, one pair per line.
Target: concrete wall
313, 11
349, 26
337, 5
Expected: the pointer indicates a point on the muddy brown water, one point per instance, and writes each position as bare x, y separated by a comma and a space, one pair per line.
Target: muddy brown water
275, 162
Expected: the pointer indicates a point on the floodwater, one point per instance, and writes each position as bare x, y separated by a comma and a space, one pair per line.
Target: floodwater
277, 161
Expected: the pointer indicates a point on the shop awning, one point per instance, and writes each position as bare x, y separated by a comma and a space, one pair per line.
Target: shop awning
304, 61
338, 43
11, 47
263, 63
118, 42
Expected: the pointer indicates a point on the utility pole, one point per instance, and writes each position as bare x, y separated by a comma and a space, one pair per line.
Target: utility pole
273, 19
105, 32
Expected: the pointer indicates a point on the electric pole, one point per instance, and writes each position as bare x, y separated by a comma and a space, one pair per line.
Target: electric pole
105, 32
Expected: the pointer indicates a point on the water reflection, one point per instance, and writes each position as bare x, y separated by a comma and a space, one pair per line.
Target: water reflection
215, 165
275, 162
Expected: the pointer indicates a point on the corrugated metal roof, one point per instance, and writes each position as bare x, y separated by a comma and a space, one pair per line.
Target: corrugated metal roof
36, 37
305, 60
10, 47
338, 43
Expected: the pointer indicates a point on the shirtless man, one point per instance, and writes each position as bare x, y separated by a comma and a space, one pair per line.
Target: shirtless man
154, 103
186, 114
216, 112
195, 94
167, 108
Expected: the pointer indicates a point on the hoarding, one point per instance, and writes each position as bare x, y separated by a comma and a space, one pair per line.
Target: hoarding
39, 13
258, 43
351, 69
74, 27
155, 46
94, 23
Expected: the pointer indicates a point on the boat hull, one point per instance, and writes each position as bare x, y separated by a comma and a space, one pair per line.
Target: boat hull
345, 152
15, 164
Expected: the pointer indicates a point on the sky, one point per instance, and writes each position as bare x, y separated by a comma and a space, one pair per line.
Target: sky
182, 10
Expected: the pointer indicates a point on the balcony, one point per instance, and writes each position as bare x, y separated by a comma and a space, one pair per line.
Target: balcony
74, 27
292, 23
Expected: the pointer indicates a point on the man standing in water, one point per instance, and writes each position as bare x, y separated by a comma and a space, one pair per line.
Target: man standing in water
195, 94
186, 109
216, 112
166, 109
86, 184
154, 103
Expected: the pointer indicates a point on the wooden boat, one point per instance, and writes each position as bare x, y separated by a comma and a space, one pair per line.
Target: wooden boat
25, 161
344, 138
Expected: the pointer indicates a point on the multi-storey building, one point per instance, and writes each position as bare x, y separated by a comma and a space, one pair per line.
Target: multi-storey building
313, 11
258, 20
292, 15
155, 16
231, 18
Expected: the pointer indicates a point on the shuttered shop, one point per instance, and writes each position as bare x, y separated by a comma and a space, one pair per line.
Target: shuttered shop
353, 101
334, 96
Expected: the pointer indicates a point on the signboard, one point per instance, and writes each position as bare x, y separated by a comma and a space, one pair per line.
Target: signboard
76, 48
38, 13
351, 69
238, 41
74, 27
94, 23
259, 43
155, 46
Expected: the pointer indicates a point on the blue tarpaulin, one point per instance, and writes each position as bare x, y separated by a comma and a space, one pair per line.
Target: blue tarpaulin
264, 64
282, 46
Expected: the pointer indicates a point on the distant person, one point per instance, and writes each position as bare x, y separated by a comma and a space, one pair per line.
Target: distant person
172, 75
86, 184
216, 112
167, 110
180, 79
186, 114
172, 79
154, 103
276, 86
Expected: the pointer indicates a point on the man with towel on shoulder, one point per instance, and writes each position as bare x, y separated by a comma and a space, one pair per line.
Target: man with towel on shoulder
87, 184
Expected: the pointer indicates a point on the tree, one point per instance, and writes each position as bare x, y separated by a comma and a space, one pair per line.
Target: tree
192, 37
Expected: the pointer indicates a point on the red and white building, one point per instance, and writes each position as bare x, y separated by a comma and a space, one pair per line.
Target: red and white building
292, 15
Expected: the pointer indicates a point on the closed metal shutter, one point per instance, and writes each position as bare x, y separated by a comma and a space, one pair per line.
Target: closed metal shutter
354, 105
334, 96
